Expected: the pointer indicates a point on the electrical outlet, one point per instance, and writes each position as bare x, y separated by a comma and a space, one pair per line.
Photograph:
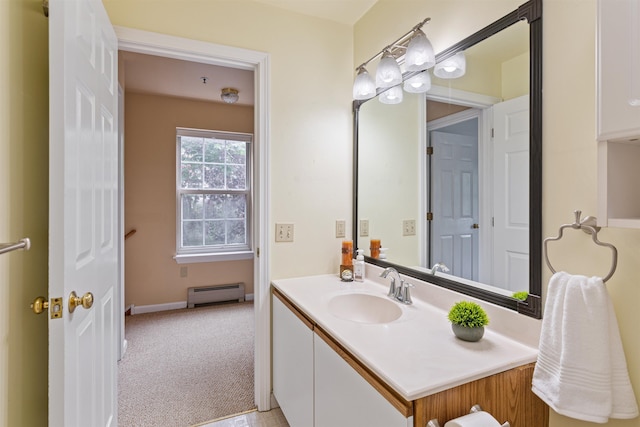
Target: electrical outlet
184, 271
341, 226
284, 232
364, 227
409, 227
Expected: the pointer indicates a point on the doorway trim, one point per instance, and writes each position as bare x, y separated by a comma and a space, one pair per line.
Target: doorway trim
133, 40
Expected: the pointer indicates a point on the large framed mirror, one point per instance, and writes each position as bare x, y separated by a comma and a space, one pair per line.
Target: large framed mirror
453, 176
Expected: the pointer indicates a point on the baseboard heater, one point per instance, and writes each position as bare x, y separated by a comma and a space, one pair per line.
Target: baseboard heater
215, 293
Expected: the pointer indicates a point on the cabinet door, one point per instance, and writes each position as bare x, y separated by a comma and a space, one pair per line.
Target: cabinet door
292, 366
618, 69
345, 399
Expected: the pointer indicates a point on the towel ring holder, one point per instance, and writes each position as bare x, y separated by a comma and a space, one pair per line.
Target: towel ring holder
588, 225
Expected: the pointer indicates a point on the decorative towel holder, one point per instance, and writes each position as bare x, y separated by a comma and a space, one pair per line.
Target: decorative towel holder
588, 225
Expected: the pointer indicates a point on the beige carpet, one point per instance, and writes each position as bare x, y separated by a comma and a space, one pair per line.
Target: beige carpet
185, 367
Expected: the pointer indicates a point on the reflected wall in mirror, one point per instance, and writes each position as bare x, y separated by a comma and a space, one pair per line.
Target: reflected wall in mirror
462, 164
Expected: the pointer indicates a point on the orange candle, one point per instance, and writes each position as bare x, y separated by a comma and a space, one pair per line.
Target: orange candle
347, 252
375, 248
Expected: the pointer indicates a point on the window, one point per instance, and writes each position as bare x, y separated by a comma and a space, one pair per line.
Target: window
213, 195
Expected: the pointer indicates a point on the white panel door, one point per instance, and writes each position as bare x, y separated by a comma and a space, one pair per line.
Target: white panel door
511, 194
454, 174
83, 207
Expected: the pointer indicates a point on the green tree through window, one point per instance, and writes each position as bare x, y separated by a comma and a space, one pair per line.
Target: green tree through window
214, 191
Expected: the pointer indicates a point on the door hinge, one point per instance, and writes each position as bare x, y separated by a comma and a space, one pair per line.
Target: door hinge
429, 216
493, 132
493, 221
258, 252
429, 151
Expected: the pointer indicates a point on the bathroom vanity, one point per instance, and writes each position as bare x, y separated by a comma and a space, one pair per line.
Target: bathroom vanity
346, 355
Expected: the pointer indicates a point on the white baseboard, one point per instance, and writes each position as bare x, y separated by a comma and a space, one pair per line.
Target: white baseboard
140, 309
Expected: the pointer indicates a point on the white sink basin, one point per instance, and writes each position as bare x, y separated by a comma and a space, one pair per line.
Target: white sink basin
364, 308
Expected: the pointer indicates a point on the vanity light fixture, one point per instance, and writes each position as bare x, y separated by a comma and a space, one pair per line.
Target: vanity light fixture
388, 73
413, 48
364, 86
419, 83
229, 95
391, 96
452, 67
420, 55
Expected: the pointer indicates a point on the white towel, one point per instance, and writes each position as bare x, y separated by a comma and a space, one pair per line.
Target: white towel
581, 370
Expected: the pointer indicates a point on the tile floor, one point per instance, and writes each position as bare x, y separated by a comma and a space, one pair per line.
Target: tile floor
273, 418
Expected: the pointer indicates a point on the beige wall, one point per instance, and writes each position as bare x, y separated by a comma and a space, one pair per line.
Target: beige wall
389, 143
152, 276
309, 116
569, 147
310, 153
23, 210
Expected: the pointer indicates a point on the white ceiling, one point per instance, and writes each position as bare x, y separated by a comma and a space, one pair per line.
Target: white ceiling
173, 77
343, 11
166, 76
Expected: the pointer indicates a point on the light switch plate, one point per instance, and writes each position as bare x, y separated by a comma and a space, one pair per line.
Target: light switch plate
341, 226
409, 227
364, 227
284, 232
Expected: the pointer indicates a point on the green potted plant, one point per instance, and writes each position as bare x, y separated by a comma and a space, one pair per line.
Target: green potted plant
468, 320
521, 295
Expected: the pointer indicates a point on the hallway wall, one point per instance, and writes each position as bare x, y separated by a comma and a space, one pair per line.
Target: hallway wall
152, 276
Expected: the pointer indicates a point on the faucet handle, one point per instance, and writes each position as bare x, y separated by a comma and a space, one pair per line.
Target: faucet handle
406, 292
392, 288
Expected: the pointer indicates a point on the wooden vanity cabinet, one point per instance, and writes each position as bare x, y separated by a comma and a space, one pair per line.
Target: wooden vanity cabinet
318, 383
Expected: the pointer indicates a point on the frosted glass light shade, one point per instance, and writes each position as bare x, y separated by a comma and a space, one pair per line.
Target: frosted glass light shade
388, 73
391, 96
452, 67
420, 55
364, 87
419, 83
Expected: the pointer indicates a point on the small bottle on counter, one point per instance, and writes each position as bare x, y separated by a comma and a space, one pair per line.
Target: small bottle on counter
358, 267
346, 267
383, 253
375, 248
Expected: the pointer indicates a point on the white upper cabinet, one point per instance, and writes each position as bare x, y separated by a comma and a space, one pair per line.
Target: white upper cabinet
618, 53
618, 113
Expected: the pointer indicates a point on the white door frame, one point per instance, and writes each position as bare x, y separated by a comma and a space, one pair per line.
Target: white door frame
145, 42
469, 99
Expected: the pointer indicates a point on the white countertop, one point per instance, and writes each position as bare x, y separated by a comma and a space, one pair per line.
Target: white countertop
417, 355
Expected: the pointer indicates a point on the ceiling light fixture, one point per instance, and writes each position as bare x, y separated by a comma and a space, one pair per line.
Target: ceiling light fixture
229, 95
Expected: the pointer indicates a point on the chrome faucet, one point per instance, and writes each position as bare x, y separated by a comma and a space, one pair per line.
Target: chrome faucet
439, 267
400, 292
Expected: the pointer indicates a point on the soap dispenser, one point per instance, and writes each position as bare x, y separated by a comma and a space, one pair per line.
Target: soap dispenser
358, 266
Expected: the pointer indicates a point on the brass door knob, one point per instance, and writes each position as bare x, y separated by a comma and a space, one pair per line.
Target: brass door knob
475, 226
86, 301
39, 305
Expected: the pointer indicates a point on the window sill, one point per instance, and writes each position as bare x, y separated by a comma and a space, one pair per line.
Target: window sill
227, 256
